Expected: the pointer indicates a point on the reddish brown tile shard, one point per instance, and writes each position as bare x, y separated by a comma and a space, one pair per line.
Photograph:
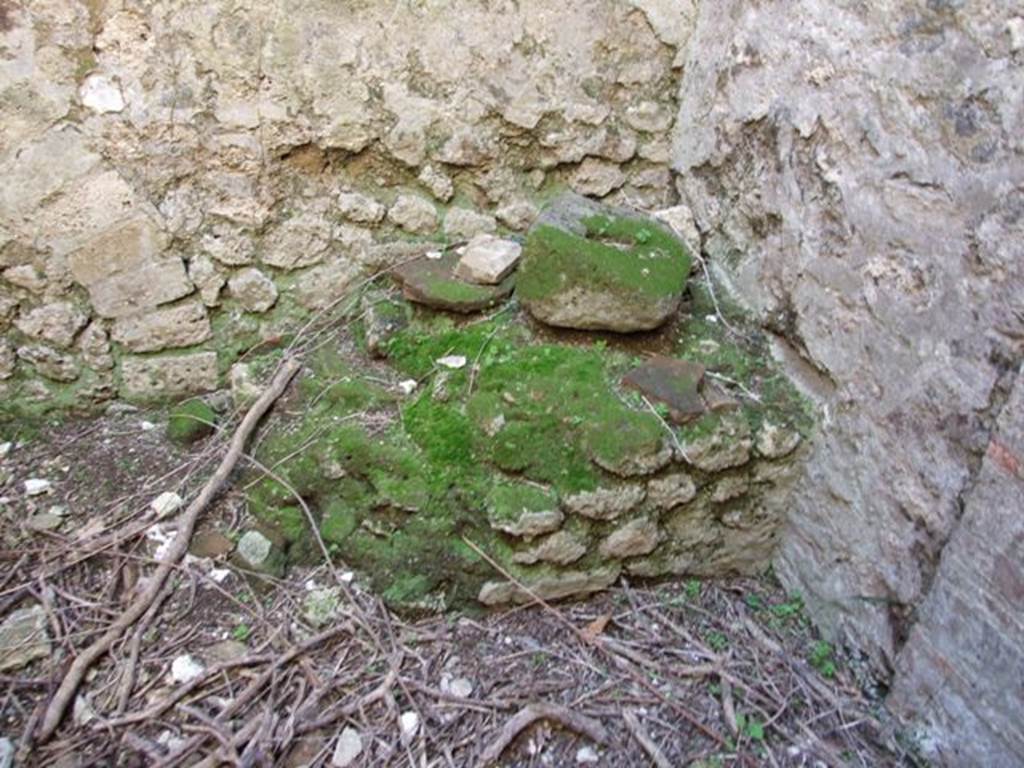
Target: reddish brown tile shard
674, 383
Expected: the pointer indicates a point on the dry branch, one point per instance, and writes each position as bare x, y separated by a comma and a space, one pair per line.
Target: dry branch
530, 714
186, 524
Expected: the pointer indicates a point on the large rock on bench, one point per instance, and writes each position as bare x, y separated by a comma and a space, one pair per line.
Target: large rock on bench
593, 267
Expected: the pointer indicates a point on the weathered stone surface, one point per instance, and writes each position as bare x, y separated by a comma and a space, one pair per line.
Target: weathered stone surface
8, 359
605, 503
437, 182
775, 442
561, 548
94, 345
126, 270
24, 637
413, 214
26, 276
727, 443
253, 290
488, 260
50, 363
146, 378
432, 282
464, 223
55, 323
867, 232
977, 633
208, 278
529, 523
518, 214
360, 208
594, 267
637, 537
670, 491
299, 241
169, 328
554, 587
671, 382
597, 178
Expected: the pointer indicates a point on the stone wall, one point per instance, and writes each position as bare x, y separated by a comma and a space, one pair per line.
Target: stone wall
181, 179
858, 177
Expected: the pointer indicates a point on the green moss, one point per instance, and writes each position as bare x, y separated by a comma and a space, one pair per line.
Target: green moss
191, 421
508, 501
621, 255
456, 292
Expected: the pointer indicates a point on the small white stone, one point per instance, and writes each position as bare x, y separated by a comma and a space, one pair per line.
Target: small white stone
455, 362
101, 94
587, 756
1015, 29
219, 574
5, 449
6, 753
408, 386
185, 669
460, 688
409, 723
37, 487
146, 426
434, 255
165, 504
347, 577
57, 510
348, 748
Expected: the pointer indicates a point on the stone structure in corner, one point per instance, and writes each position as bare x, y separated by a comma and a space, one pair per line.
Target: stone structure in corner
596, 268
859, 178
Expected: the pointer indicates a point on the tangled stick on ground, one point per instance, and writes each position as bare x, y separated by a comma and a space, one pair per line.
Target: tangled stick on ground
186, 524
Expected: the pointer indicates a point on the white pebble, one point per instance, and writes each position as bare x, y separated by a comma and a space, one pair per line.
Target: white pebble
166, 504
5, 449
461, 688
408, 386
452, 361
185, 669
434, 255
37, 487
348, 748
587, 756
146, 426
409, 723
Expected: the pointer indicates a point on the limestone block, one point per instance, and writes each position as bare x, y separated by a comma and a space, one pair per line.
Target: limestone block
553, 587
55, 323
126, 270
299, 241
413, 214
253, 290
50, 363
637, 537
463, 223
166, 328
605, 503
150, 378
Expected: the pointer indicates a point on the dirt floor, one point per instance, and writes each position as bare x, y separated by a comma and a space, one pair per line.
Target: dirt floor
235, 669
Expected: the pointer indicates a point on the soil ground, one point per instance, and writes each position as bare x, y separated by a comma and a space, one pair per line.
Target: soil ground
683, 673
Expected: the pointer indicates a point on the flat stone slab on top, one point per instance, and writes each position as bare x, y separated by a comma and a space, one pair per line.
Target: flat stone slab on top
488, 260
432, 282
